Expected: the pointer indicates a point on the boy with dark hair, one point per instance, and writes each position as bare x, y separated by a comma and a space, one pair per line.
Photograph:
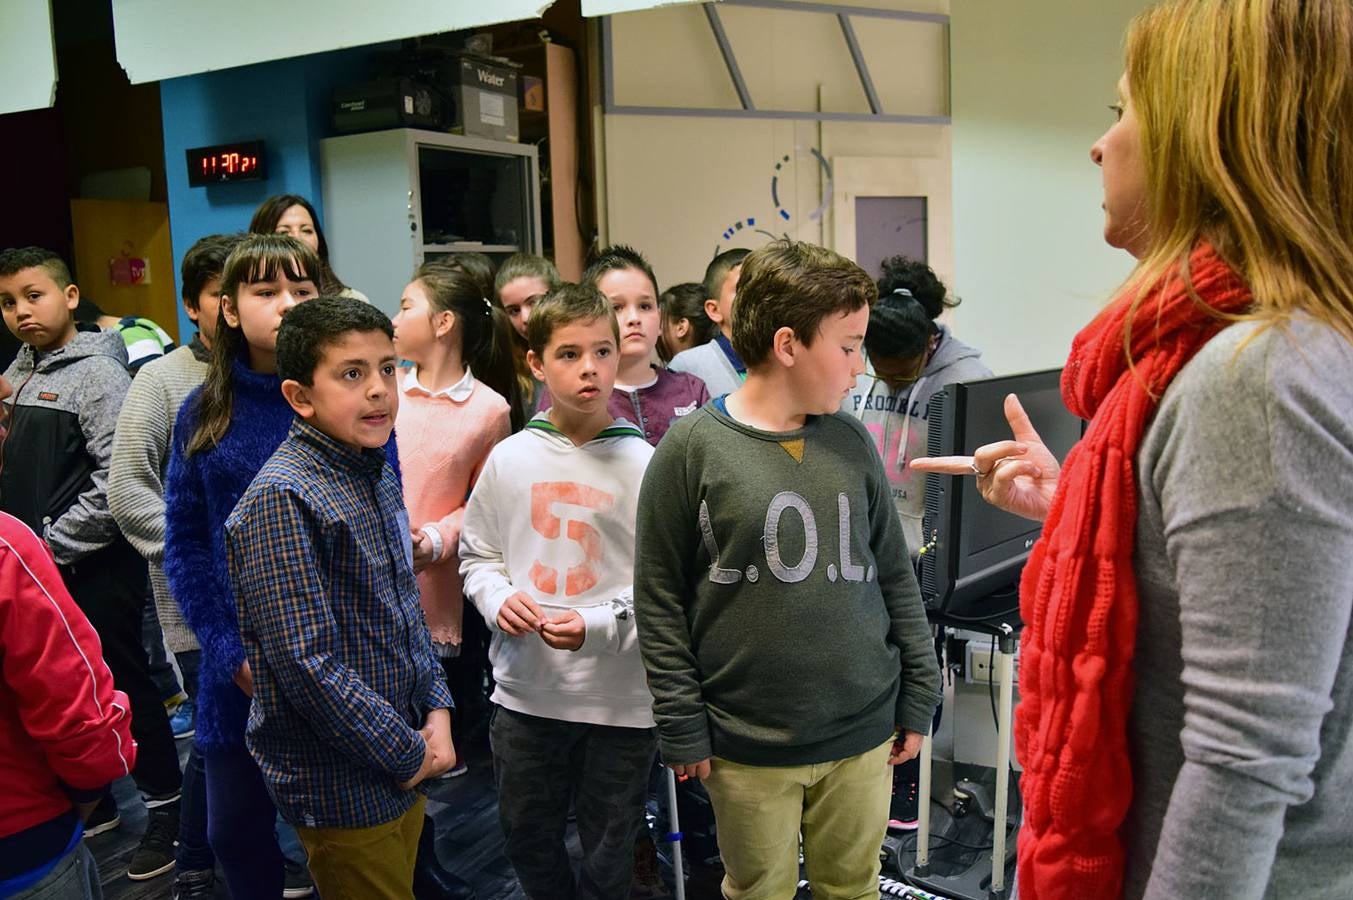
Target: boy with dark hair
70, 385
64, 730
547, 556
717, 363
650, 397
617, 258
788, 655
136, 499
716, 280
350, 708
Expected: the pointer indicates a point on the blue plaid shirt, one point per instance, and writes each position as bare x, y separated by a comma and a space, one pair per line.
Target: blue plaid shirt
344, 671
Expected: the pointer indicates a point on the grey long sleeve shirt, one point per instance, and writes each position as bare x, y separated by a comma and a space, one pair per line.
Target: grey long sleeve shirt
1240, 733
140, 457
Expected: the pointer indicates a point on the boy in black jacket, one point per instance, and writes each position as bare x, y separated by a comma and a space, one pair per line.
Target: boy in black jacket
68, 390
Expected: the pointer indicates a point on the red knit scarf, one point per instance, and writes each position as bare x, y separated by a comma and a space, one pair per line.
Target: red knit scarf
1079, 593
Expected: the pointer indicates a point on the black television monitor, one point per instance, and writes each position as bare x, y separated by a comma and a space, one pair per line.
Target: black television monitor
975, 552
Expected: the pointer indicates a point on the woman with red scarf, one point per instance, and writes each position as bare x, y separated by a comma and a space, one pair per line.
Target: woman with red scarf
1187, 673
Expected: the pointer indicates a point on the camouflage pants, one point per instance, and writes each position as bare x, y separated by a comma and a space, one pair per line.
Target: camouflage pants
539, 765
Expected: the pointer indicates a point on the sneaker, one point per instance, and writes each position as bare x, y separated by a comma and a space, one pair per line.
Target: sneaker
155, 856
455, 771
200, 885
181, 720
904, 811
172, 703
298, 882
104, 817
647, 881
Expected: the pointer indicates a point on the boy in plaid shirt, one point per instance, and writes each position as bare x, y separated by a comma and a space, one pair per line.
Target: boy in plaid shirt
350, 711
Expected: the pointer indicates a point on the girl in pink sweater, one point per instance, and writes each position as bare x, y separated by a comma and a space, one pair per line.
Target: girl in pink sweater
456, 402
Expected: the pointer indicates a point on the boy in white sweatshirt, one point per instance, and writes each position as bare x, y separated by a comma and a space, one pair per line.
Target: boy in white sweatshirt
547, 556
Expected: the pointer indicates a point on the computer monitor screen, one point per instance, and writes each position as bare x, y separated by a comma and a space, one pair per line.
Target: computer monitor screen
976, 552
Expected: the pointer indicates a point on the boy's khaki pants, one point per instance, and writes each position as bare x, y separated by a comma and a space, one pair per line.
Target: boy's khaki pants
841, 807
373, 863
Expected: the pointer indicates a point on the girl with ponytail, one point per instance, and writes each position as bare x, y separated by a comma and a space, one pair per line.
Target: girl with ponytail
459, 399
911, 357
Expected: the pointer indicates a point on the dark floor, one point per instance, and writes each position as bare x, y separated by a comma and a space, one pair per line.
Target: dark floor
469, 843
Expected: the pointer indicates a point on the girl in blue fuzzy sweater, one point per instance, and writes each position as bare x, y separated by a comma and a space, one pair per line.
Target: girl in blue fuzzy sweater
225, 431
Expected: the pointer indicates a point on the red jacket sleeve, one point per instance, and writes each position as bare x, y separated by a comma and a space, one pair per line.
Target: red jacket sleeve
53, 668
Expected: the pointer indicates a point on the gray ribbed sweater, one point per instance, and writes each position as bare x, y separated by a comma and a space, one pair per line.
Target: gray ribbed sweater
140, 456
1240, 732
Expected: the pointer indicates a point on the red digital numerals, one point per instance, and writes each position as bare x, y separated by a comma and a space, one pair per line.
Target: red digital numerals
229, 164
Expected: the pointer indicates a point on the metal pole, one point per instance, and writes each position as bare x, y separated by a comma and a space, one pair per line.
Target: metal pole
729, 58
1006, 662
922, 867
674, 835
861, 67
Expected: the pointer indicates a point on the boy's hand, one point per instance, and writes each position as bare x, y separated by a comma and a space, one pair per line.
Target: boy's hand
422, 550
698, 770
437, 732
905, 746
244, 679
565, 632
425, 770
519, 615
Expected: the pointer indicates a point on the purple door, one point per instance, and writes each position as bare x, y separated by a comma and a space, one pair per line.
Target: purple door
888, 226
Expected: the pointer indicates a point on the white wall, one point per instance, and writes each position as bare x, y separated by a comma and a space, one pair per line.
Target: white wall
159, 39
27, 56
1031, 83
673, 185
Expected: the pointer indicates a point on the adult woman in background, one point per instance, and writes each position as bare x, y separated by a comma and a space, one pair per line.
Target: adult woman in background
293, 215
1187, 678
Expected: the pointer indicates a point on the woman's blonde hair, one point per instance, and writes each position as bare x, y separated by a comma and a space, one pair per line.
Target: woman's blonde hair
1245, 110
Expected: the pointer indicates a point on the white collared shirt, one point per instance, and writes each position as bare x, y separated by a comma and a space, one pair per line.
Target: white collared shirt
459, 392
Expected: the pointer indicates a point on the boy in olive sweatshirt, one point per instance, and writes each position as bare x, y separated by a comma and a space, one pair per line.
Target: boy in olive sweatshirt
781, 627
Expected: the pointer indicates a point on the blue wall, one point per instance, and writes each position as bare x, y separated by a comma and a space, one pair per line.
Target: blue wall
285, 104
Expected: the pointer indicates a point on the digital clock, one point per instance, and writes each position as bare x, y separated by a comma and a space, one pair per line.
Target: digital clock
243, 161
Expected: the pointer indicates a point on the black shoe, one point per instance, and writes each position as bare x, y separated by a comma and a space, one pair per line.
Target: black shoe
200, 885
440, 885
297, 882
647, 882
431, 880
104, 817
155, 856
904, 813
